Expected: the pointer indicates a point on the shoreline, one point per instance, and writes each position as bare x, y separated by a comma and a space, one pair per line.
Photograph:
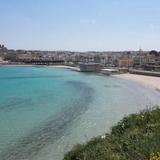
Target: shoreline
52, 66
151, 82
147, 81
16, 65
96, 124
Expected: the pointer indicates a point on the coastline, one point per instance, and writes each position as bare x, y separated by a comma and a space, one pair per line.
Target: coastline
151, 82
30, 65
16, 65
127, 140
97, 115
147, 81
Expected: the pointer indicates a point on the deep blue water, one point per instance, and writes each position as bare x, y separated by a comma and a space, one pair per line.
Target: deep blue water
45, 111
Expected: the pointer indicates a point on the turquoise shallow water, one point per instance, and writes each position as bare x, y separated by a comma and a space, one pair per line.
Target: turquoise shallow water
45, 111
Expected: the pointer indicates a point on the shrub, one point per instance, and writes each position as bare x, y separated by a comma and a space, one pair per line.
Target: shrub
133, 138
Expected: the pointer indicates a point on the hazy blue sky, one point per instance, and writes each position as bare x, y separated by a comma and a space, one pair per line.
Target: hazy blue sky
80, 24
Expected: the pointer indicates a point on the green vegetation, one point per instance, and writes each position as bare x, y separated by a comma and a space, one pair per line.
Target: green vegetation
155, 156
136, 137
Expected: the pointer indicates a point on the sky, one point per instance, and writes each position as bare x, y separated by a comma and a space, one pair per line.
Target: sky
80, 25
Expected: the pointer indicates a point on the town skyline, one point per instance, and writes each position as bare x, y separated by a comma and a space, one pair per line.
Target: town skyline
81, 51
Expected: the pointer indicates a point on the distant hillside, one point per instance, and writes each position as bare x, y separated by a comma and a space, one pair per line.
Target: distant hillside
135, 137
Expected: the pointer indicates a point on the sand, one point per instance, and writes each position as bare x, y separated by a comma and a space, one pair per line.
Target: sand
32, 65
148, 81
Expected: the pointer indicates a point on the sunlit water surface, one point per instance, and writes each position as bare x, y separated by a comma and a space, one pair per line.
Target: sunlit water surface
45, 111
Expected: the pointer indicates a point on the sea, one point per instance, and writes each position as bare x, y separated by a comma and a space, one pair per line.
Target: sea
45, 111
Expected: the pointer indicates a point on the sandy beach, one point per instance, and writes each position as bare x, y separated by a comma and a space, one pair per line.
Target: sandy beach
148, 81
32, 65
